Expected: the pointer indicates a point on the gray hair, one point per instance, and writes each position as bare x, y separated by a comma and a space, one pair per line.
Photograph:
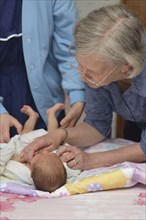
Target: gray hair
113, 33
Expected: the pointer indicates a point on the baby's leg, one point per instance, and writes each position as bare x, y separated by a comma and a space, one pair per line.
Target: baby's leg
32, 119
51, 112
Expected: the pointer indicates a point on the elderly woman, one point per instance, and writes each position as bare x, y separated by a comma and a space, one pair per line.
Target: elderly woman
110, 49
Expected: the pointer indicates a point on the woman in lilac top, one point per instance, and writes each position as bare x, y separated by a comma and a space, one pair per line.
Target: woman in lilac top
110, 49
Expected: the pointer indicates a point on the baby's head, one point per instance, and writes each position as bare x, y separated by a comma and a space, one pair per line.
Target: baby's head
47, 171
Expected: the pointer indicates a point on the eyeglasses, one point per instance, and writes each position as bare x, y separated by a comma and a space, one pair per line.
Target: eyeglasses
87, 78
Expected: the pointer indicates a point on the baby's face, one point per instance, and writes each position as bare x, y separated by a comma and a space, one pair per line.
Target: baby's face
43, 156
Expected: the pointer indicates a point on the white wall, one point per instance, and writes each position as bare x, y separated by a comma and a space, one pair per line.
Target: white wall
85, 6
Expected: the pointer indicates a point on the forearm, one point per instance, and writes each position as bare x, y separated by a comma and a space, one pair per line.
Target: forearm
83, 135
131, 153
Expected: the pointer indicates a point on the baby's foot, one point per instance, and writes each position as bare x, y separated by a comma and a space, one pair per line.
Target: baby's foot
26, 109
55, 108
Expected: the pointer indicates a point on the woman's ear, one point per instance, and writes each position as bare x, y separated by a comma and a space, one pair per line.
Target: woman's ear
125, 68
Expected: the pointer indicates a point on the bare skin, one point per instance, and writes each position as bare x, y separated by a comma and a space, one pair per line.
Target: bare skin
96, 73
85, 161
28, 126
31, 122
73, 115
51, 113
7, 121
52, 140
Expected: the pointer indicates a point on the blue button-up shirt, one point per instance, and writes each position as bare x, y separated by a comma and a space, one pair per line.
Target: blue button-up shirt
102, 102
46, 36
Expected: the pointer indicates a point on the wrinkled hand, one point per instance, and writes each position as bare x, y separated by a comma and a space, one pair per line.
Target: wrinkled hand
7, 121
50, 142
75, 158
73, 115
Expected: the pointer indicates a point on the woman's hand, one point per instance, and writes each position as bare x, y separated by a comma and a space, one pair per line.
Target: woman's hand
50, 142
75, 158
73, 115
7, 121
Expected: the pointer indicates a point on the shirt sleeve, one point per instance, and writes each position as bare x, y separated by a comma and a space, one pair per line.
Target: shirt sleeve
65, 16
135, 97
98, 110
2, 108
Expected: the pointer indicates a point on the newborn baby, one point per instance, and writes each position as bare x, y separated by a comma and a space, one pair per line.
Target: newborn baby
46, 171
